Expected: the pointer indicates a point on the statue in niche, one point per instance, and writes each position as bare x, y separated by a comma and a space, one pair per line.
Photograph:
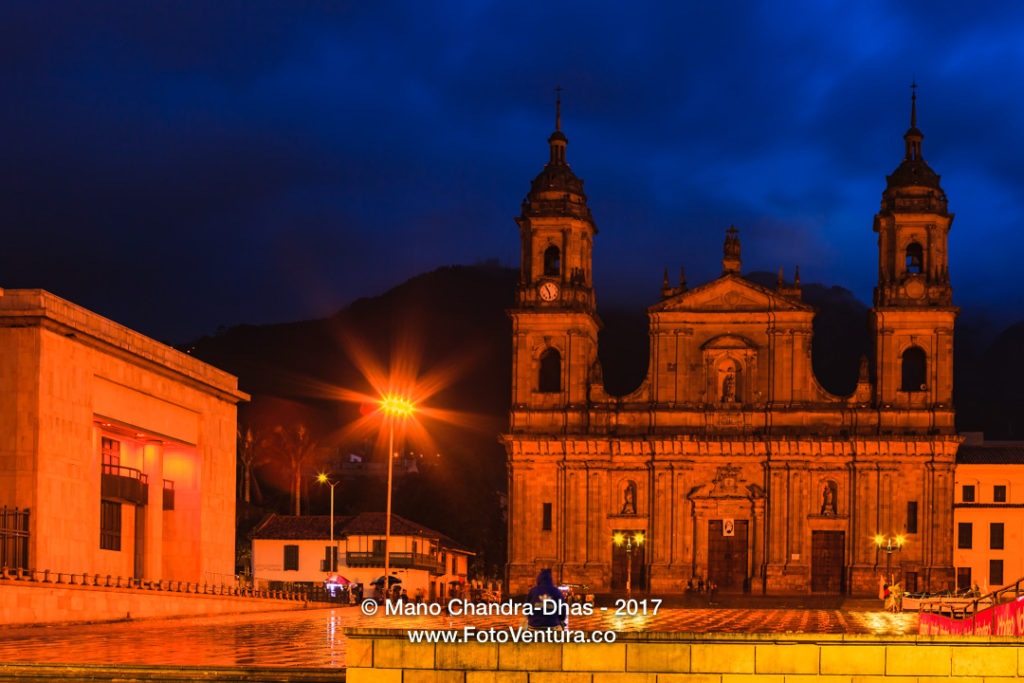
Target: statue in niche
828, 498
729, 387
628, 499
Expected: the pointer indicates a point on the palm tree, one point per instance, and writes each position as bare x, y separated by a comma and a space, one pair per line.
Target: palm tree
297, 444
254, 450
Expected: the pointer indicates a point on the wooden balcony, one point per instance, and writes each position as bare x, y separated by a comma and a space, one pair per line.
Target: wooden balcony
398, 561
124, 483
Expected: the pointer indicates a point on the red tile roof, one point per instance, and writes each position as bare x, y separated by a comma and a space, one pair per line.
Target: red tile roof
317, 527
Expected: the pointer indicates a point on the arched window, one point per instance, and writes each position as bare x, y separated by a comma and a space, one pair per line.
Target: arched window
549, 379
914, 366
915, 258
552, 262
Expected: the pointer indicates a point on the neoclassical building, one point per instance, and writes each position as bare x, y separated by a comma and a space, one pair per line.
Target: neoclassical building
117, 452
730, 458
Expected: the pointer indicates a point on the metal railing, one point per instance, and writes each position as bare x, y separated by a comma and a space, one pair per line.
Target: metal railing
124, 483
48, 577
14, 537
968, 604
398, 560
168, 494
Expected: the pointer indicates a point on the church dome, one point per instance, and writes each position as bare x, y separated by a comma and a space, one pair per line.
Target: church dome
913, 186
556, 191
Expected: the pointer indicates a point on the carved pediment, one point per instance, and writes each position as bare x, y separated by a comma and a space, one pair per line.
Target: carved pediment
730, 293
728, 483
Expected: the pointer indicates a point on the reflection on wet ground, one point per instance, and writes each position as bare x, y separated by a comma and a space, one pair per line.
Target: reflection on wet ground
313, 638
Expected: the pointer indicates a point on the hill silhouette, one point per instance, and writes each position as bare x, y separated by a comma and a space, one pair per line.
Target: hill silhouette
455, 316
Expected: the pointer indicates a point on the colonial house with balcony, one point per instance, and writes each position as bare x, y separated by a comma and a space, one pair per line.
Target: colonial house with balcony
117, 452
298, 550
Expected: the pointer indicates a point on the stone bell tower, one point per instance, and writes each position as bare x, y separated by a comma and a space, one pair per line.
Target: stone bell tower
913, 313
554, 321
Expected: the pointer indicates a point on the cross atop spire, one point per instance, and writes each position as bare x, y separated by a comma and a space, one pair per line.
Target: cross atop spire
913, 136
558, 108
913, 104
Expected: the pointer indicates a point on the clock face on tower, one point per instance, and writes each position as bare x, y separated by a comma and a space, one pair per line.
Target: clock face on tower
548, 291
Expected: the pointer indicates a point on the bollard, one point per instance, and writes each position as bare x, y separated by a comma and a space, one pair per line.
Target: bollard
46, 576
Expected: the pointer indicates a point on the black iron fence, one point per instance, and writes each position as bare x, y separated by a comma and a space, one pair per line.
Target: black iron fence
13, 538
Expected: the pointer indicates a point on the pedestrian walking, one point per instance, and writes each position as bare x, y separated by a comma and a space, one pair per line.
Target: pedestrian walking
545, 590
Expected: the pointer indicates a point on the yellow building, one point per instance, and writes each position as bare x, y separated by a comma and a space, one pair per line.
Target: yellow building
730, 461
117, 452
988, 513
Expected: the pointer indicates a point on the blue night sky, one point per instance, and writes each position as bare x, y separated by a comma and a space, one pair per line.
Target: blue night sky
178, 165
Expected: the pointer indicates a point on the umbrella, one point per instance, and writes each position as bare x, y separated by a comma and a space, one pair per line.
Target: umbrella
392, 580
338, 579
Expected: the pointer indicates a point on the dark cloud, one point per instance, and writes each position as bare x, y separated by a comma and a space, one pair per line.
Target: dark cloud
181, 165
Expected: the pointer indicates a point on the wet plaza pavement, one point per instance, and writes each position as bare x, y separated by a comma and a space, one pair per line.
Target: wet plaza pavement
313, 638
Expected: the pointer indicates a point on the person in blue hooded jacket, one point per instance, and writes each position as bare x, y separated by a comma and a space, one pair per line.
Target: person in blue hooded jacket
546, 588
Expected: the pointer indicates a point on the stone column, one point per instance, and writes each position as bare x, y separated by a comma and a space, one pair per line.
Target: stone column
153, 540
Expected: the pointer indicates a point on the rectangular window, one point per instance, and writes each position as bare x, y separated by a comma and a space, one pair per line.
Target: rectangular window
911, 516
291, 558
110, 525
995, 536
111, 451
546, 522
963, 578
995, 573
378, 547
330, 552
963, 535
999, 494
968, 493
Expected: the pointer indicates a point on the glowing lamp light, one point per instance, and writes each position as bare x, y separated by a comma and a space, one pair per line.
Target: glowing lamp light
900, 541
322, 478
879, 540
397, 405
638, 538
619, 539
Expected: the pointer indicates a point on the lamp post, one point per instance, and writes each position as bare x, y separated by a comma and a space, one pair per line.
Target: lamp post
394, 406
888, 545
629, 540
322, 478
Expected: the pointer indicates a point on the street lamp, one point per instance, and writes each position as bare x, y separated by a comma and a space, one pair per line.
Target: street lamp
629, 540
394, 406
322, 478
888, 545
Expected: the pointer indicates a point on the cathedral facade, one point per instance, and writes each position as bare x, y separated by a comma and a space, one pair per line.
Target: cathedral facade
730, 463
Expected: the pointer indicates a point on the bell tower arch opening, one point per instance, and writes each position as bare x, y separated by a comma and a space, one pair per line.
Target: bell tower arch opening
913, 369
552, 262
